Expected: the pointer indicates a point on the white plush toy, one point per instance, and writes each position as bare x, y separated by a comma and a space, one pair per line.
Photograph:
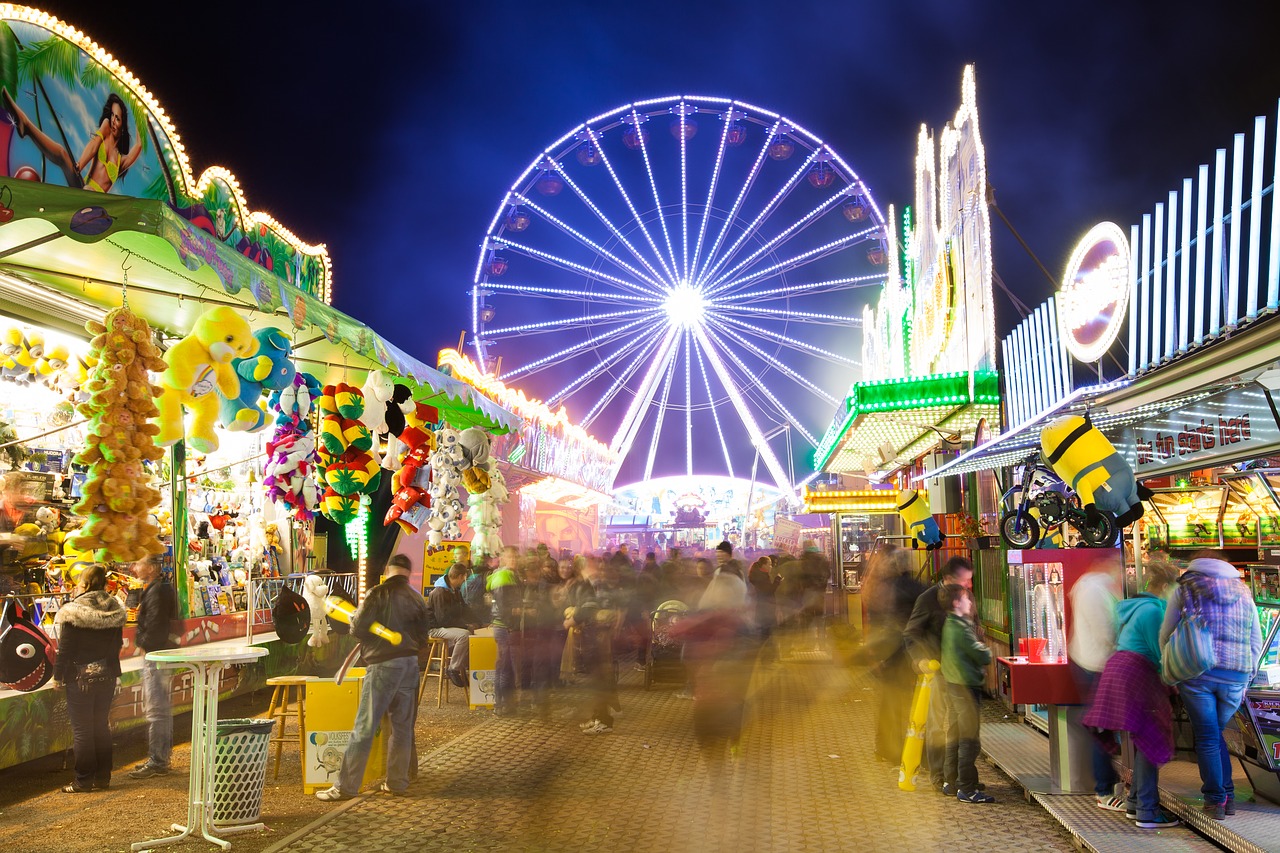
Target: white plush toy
315, 591
377, 389
435, 533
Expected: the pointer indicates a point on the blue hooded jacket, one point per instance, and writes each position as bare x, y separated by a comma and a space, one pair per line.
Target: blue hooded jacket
1138, 624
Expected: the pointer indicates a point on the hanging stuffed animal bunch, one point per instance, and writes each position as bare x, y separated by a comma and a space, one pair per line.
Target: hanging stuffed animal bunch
343, 451
484, 513
412, 476
291, 452
195, 366
269, 371
446, 477
117, 498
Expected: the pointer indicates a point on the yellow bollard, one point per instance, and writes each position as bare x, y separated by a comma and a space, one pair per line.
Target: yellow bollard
914, 747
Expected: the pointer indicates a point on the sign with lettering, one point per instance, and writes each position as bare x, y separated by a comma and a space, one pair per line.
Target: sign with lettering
1095, 292
1233, 426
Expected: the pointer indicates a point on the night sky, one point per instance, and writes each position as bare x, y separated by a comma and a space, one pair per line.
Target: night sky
391, 135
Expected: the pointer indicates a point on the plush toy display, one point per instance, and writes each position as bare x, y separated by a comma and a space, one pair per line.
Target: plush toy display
116, 497
194, 367
473, 447
315, 591
485, 512
270, 370
26, 653
913, 508
291, 454
342, 449
411, 485
1086, 461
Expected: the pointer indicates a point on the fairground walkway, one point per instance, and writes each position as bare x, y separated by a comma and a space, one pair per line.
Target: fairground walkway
805, 780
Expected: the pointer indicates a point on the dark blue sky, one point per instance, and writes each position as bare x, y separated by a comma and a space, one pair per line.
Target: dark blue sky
392, 136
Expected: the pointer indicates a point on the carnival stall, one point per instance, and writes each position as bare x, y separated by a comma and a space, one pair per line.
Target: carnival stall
175, 381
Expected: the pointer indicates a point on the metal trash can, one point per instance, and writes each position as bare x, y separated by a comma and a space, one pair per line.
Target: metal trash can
240, 770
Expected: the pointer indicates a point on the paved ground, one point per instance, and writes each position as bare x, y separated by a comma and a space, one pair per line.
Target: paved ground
805, 781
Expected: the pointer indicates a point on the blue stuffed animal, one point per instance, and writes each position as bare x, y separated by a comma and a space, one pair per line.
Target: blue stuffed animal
269, 370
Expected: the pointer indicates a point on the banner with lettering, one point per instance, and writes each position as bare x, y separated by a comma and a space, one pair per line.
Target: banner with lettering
1233, 426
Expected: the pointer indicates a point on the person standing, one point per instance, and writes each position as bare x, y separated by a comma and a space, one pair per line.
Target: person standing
1131, 697
390, 683
156, 614
503, 585
90, 637
964, 662
924, 643
1212, 698
1092, 643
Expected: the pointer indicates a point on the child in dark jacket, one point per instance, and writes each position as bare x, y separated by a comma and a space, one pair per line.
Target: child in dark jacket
964, 662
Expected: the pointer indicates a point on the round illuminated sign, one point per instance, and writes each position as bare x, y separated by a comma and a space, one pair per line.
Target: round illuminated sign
1095, 292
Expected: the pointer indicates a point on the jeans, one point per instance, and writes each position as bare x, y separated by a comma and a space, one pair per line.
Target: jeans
157, 701
939, 730
1104, 771
88, 709
1210, 705
459, 642
1144, 796
961, 762
388, 687
504, 687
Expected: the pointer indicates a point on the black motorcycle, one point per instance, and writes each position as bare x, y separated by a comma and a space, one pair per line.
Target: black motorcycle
1038, 513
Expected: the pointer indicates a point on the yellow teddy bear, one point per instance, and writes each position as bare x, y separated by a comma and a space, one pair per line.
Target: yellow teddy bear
196, 365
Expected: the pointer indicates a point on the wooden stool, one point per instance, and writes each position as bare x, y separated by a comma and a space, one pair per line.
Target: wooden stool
437, 652
289, 689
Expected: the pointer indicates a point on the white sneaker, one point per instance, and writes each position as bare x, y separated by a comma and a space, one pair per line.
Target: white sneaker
598, 728
331, 795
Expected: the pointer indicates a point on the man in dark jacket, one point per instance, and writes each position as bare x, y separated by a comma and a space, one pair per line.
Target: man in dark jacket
156, 614
390, 682
924, 643
451, 621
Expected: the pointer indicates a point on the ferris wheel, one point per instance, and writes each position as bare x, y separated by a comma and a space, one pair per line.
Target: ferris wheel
680, 274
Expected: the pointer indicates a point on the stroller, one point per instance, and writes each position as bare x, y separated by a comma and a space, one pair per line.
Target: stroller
662, 662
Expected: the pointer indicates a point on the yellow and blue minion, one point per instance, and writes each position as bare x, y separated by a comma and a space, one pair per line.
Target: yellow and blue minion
1081, 455
913, 508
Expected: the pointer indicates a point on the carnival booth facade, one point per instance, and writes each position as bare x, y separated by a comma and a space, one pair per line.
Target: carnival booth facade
176, 385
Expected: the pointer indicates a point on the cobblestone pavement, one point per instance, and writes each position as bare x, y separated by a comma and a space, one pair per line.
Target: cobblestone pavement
805, 781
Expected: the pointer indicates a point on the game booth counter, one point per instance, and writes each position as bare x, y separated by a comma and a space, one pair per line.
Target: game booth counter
112, 280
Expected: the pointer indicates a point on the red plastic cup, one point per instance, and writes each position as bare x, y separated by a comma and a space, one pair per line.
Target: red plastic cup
1035, 649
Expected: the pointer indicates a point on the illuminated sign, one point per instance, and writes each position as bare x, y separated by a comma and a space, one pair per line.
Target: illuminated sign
1095, 292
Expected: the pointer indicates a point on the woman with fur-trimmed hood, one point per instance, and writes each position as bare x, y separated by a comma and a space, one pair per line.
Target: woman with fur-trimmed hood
90, 636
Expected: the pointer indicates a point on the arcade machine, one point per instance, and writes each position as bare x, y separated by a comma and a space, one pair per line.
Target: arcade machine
1039, 677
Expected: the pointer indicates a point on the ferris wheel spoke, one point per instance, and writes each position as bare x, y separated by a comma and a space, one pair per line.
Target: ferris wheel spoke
566, 323
744, 413
565, 228
688, 404
753, 382
613, 389
794, 262
560, 293
635, 214
630, 426
791, 343
802, 289
604, 364
737, 202
807, 316
711, 191
653, 185
724, 446
684, 197
608, 223
662, 414
568, 352
564, 263
781, 365
762, 216
790, 231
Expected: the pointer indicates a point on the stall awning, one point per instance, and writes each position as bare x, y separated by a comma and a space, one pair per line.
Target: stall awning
628, 523
885, 425
66, 254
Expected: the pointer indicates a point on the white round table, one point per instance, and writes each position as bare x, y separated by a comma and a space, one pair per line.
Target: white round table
206, 663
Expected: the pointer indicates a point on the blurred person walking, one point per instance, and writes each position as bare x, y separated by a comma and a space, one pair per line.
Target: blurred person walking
156, 615
891, 593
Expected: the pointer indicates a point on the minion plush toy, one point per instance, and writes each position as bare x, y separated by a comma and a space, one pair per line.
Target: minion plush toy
1082, 456
913, 507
